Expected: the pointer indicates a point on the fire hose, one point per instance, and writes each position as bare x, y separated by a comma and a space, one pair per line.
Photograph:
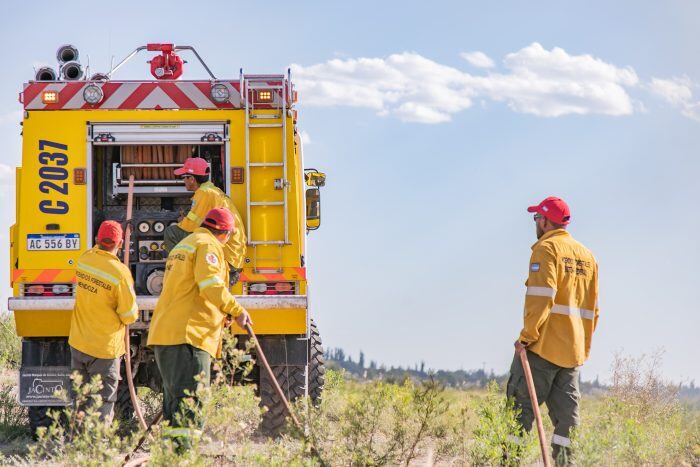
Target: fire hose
129, 377
127, 340
535, 405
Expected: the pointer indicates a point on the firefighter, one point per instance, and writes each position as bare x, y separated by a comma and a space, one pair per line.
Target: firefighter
195, 174
104, 303
189, 318
561, 314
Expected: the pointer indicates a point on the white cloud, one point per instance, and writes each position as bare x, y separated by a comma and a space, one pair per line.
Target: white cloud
478, 59
546, 83
678, 92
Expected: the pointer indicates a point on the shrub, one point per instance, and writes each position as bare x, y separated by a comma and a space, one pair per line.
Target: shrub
639, 421
77, 435
493, 438
10, 343
12, 415
375, 423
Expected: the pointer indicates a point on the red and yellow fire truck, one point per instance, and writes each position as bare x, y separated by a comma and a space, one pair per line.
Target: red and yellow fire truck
83, 137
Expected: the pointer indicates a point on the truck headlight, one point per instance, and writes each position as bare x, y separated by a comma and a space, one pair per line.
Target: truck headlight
158, 227
93, 94
220, 93
144, 227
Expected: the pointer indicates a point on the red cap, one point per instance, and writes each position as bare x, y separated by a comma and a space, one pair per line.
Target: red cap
554, 209
220, 219
109, 234
193, 166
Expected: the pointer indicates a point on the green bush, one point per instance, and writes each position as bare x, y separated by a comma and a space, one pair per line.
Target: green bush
10, 343
12, 415
77, 435
376, 423
638, 422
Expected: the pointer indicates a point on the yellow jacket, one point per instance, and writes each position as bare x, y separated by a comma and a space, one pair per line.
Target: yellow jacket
104, 302
561, 302
206, 198
195, 298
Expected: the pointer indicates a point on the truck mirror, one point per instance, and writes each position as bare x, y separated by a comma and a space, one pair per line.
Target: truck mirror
314, 178
313, 208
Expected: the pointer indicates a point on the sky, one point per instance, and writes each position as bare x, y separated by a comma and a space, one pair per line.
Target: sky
437, 124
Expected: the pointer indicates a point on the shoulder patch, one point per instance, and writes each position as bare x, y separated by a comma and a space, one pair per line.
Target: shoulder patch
534, 267
212, 259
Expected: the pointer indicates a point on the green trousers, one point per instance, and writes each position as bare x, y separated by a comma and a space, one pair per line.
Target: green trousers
108, 369
558, 388
179, 365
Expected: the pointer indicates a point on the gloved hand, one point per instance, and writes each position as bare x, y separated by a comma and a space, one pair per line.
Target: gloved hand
234, 274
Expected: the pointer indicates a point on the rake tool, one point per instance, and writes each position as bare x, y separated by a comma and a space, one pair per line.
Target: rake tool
535, 406
261, 357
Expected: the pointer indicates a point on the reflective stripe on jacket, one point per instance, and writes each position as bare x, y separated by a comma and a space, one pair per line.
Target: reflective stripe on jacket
104, 302
195, 298
206, 198
561, 300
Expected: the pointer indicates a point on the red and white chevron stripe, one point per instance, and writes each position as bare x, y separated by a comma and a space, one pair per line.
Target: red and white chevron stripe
125, 95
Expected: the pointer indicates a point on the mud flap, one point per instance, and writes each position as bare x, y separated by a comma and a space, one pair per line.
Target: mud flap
38, 385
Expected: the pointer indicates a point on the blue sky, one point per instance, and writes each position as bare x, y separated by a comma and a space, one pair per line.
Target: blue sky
438, 125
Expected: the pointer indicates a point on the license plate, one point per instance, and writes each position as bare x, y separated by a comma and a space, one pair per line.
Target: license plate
52, 242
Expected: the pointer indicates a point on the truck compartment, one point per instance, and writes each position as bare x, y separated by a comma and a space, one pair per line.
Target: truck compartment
160, 198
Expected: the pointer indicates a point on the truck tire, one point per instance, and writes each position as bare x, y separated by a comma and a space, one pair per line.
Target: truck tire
317, 365
38, 417
292, 380
123, 408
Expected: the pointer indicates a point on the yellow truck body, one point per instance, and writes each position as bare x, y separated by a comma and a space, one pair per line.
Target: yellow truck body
83, 138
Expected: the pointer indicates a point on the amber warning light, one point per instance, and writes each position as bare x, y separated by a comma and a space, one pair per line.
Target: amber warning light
264, 96
79, 176
49, 97
237, 175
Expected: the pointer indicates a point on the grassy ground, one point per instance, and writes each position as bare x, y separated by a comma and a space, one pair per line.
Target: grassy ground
640, 421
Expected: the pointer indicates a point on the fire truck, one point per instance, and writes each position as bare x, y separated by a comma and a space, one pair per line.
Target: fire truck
85, 135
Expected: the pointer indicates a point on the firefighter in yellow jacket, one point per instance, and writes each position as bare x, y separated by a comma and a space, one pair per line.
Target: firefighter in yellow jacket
188, 321
195, 174
104, 303
561, 314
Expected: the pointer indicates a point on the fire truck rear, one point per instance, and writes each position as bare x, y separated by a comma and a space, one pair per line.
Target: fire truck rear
83, 137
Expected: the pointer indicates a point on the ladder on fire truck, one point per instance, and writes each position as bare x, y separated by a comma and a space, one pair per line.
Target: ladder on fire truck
252, 87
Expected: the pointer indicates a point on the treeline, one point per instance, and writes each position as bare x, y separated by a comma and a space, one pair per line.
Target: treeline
363, 369
462, 379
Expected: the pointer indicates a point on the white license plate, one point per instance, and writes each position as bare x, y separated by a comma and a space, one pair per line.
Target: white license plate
52, 242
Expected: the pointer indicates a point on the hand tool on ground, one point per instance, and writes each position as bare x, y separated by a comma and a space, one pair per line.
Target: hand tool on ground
154, 422
263, 360
535, 405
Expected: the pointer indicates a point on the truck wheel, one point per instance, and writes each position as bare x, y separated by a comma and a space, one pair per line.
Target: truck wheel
292, 380
123, 408
38, 417
317, 368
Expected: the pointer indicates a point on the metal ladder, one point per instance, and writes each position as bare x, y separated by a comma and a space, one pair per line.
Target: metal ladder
249, 85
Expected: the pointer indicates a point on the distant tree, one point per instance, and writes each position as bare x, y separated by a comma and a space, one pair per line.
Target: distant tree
361, 361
